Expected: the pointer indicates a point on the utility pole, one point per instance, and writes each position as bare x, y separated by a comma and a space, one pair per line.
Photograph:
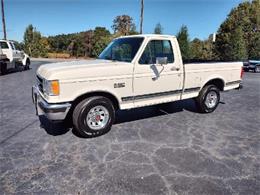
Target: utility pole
142, 17
3, 18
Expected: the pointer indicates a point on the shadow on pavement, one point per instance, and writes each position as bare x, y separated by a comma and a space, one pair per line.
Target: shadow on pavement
53, 128
124, 116
14, 70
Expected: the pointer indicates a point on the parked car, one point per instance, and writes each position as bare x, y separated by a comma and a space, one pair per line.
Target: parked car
253, 65
133, 71
12, 57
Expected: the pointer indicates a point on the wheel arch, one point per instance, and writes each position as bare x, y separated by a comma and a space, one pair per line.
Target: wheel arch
106, 94
218, 82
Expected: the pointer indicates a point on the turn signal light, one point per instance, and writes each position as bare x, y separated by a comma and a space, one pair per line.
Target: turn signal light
55, 87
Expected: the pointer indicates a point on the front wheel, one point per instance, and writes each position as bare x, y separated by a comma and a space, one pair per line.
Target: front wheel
93, 116
3, 68
208, 99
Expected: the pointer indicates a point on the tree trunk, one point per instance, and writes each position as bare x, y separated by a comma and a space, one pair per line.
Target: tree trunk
3, 18
142, 16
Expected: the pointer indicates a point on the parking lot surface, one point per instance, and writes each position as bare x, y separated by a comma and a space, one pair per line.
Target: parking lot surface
166, 149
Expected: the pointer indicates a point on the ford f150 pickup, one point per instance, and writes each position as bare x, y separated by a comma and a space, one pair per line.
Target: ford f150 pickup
132, 71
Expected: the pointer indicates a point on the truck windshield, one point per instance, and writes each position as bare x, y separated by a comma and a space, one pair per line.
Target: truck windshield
122, 49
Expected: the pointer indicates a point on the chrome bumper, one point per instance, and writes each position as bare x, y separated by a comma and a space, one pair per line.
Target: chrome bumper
53, 112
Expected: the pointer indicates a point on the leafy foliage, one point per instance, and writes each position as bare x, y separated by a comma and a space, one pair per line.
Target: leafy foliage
158, 29
101, 39
184, 42
238, 46
83, 44
124, 25
202, 49
34, 44
239, 35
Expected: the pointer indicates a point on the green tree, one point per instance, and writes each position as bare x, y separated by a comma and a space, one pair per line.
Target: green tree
196, 49
158, 29
89, 42
202, 49
238, 50
123, 25
101, 39
72, 49
183, 39
34, 44
254, 46
242, 21
28, 39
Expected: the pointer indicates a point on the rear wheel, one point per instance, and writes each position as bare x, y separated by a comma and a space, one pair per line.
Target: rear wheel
3, 68
208, 99
93, 116
257, 69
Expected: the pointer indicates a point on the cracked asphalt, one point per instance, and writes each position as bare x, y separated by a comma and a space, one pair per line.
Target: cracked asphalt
166, 149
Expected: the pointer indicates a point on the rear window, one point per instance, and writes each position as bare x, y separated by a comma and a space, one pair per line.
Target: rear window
4, 45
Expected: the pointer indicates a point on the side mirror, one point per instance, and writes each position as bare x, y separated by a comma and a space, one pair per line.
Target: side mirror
161, 60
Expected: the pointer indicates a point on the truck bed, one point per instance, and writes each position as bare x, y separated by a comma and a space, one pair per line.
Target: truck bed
228, 72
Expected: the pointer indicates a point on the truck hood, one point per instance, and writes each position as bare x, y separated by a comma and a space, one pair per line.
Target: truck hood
81, 69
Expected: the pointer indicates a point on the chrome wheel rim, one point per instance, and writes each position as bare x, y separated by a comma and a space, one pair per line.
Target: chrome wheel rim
97, 117
211, 99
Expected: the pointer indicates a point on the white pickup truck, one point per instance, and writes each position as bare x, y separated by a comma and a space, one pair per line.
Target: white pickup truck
12, 57
132, 71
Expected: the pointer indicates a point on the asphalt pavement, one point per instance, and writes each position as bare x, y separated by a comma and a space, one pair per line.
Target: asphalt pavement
166, 149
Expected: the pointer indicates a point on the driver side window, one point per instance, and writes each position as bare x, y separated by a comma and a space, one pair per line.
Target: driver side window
157, 48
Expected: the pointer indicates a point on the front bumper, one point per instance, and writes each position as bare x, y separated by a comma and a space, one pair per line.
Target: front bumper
53, 112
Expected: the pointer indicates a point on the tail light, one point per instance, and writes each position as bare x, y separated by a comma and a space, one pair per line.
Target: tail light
242, 72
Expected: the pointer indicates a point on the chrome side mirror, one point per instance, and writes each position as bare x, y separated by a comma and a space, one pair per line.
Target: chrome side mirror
161, 60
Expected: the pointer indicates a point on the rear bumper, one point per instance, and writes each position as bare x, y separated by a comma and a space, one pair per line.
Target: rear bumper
51, 111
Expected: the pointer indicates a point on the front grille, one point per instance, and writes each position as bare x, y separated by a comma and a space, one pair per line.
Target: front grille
39, 82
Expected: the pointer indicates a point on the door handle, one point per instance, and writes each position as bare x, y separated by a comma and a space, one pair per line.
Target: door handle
175, 69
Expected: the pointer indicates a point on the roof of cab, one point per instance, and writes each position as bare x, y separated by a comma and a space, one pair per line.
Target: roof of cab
148, 35
4, 40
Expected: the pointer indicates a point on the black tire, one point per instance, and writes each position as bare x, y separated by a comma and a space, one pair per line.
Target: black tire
202, 99
81, 111
257, 69
3, 67
27, 65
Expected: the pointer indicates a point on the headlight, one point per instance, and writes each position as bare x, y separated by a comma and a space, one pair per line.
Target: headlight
51, 88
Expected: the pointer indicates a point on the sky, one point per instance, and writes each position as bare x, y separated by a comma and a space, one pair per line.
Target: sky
52, 17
